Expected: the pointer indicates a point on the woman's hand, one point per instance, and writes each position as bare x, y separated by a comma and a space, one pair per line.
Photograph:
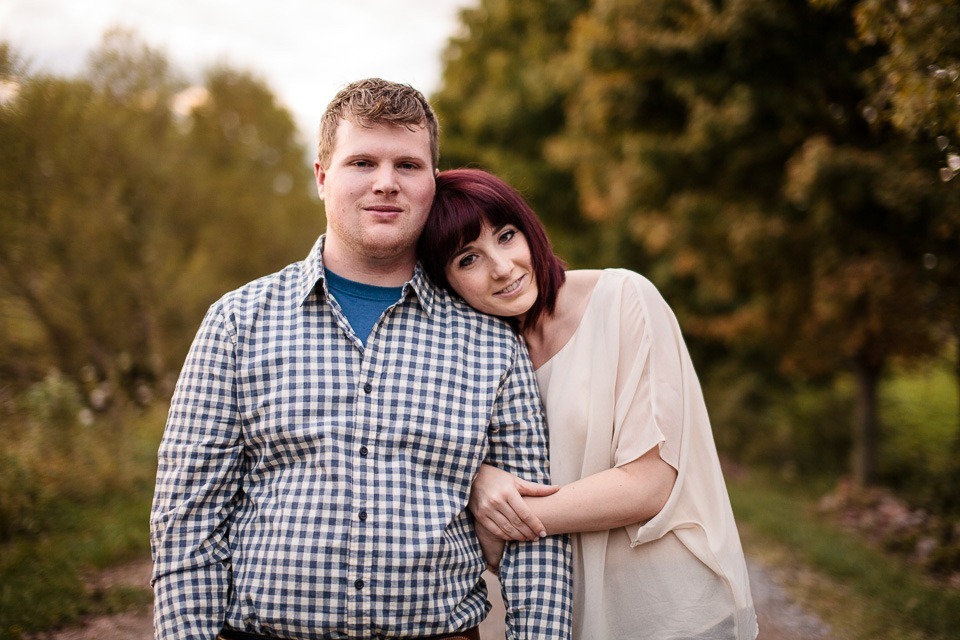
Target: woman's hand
496, 501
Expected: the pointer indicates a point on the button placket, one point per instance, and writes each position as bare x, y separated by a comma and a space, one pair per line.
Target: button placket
365, 423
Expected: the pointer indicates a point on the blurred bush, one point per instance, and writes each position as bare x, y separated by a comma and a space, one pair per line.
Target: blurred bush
54, 449
792, 428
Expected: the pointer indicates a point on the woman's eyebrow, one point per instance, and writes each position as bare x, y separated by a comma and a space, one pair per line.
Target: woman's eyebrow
462, 250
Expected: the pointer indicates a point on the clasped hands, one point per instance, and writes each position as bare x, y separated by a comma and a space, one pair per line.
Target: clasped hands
497, 504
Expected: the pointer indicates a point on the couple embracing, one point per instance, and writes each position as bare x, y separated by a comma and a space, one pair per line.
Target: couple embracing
355, 438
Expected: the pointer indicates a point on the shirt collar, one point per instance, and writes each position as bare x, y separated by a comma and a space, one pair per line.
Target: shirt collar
312, 274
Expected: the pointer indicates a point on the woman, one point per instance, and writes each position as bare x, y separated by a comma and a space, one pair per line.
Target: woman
656, 549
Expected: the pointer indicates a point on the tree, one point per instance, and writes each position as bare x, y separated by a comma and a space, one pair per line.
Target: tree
126, 208
915, 81
868, 223
728, 142
500, 101
915, 88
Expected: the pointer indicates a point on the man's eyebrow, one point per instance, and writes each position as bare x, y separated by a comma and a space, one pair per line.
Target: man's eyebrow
416, 159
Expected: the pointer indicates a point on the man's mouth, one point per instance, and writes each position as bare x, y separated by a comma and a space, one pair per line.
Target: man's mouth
383, 208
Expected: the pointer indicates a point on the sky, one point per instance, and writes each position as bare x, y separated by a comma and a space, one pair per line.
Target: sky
305, 50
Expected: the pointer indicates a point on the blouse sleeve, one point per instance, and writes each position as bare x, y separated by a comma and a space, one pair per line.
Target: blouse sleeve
648, 410
659, 402
655, 404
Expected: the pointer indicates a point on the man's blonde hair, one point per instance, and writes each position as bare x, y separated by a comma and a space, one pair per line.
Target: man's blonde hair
375, 101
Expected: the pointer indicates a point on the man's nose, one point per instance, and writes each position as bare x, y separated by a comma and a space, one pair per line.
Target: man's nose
385, 180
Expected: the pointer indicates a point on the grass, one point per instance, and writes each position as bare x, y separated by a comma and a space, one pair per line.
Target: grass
43, 576
862, 593
99, 520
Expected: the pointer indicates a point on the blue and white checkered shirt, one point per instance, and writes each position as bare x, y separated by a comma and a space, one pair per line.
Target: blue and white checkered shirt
311, 487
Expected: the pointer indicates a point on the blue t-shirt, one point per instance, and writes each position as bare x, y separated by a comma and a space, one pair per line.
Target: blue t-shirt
362, 304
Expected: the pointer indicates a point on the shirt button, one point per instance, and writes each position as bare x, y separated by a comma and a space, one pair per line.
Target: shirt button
358, 584
367, 387
363, 515
364, 451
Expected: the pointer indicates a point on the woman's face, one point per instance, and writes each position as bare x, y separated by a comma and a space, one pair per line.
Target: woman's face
494, 273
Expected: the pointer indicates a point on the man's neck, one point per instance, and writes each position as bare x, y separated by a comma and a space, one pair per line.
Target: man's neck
385, 272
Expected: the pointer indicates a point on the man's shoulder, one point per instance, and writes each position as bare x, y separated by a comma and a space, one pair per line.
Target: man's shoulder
460, 312
281, 287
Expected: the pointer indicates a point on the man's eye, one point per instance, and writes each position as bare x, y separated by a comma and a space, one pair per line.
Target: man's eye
361, 163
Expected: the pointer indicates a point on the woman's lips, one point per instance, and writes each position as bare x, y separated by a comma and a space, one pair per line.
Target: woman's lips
513, 287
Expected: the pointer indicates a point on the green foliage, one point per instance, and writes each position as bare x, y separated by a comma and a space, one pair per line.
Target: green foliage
42, 576
795, 429
501, 101
57, 451
802, 428
754, 193
20, 497
917, 78
53, 404
920, 455
129, 201
69, 511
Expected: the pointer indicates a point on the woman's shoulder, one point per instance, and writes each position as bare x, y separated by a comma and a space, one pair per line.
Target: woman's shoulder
584, 281
630, 292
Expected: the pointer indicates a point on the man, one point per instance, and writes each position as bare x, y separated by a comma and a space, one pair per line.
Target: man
315, 469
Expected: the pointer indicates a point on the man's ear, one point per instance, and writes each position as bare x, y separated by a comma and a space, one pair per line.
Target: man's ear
321, 176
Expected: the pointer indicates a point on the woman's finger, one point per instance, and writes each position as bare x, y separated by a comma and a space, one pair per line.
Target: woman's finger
525, 520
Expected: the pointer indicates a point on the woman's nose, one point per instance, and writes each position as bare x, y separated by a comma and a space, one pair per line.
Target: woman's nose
502, 266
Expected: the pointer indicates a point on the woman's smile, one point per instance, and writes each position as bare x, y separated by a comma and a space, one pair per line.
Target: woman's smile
516, 284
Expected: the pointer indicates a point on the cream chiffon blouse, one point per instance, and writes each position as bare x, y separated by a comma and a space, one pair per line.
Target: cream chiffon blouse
623, 384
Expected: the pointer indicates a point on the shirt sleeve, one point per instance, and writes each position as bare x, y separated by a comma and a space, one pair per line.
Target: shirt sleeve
535, 576
197, 490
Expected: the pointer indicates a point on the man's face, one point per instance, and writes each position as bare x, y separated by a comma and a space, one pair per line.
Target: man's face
377, 192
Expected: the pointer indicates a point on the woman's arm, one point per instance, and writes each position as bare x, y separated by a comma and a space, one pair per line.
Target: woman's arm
634, 492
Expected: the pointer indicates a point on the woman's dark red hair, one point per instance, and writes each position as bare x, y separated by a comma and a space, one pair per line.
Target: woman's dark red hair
465, 200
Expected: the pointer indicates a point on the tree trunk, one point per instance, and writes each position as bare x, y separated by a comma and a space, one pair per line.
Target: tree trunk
866, 429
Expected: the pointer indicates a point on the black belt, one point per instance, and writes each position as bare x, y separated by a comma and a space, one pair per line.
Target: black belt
236, 634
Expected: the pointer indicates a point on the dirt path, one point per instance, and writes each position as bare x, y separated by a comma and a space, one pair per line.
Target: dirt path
779, 617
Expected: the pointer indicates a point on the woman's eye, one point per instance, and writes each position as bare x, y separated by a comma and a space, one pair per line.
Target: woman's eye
466, 261
507, 235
